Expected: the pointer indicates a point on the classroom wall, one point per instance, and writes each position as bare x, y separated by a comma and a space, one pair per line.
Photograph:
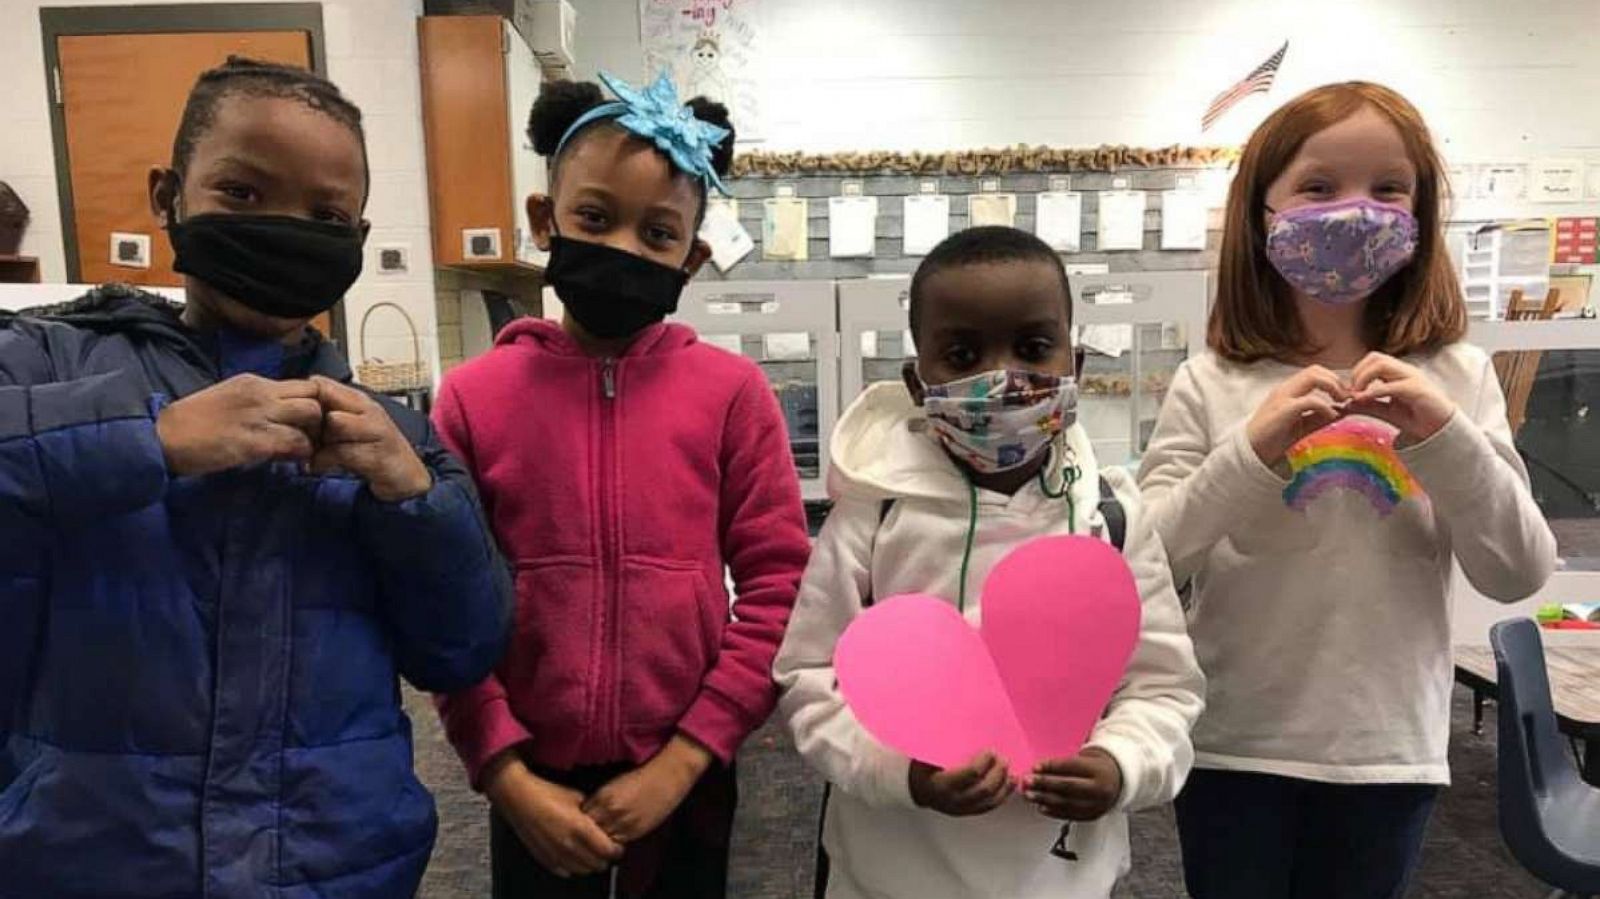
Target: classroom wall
372, 56
891, 191
1494, 79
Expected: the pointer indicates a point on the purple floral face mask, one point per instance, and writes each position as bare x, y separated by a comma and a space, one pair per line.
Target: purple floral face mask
1339, 253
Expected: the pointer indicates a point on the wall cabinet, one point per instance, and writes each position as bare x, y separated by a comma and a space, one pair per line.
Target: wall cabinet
479, 79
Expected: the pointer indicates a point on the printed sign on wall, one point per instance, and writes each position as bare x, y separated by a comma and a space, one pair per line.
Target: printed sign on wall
710, 47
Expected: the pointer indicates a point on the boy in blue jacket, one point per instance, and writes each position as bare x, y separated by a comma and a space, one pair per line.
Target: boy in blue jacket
217, 554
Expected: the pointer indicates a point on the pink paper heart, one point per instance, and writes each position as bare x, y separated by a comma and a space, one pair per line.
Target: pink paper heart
921, 680
1060, 621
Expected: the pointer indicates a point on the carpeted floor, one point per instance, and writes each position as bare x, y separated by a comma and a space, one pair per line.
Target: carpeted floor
775, 836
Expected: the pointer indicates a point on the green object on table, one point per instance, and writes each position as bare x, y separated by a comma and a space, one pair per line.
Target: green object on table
1550, 612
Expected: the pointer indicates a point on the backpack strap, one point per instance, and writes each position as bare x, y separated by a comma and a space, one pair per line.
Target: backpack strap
884, 508
819, 881
1116, 517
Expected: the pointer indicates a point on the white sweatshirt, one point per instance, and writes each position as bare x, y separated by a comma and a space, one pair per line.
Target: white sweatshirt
880, 844
1325, 633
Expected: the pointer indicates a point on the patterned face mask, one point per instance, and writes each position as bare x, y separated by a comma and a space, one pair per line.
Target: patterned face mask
1000, 420
1340, 253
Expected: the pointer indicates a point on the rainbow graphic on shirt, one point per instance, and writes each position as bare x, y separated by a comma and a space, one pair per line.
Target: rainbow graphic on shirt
1351, 454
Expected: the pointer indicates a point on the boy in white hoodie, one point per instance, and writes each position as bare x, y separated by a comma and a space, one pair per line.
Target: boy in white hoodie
934, 481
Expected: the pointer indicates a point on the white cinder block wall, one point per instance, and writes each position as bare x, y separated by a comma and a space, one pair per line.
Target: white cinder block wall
372, 56
1494, 79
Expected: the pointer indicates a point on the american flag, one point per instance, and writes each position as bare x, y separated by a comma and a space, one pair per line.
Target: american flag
1257, 82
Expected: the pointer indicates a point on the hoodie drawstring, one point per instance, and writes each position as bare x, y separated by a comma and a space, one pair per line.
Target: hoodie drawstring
972, 533
1070, 473
1069, 477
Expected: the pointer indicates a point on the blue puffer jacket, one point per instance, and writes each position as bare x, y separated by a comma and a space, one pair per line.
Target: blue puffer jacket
198, 693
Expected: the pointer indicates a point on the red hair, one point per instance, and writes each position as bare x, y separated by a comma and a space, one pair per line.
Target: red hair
1418, 310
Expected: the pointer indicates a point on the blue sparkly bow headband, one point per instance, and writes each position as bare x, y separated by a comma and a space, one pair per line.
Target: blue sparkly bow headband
656, 115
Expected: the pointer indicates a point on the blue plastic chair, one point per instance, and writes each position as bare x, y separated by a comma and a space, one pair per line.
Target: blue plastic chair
1549, 817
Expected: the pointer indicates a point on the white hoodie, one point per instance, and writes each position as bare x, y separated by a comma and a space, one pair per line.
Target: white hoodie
1325, 634
880, 844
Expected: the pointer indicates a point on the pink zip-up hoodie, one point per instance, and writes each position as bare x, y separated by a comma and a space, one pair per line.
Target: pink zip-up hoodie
618, 489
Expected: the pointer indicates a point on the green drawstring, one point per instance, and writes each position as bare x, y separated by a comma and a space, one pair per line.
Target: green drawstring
972, 532
1070, 473
1069, 476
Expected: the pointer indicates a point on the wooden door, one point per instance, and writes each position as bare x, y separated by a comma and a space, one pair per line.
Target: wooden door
122, 96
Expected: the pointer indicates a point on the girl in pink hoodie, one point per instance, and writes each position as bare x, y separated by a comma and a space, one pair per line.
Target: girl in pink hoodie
623, 464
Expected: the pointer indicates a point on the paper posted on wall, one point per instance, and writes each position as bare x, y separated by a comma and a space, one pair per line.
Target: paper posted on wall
711, 48
1121, 220
927, 221
1183, 220
784, 230
727, 237
1058, 220
852, 227
992, 209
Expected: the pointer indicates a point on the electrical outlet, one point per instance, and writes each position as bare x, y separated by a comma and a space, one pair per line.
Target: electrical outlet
130, 250
394, 259
480, 244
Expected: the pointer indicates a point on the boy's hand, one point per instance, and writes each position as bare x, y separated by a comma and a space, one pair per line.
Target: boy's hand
635, 804
982, 786
548, 819
361, 438
1082, 788
241, 421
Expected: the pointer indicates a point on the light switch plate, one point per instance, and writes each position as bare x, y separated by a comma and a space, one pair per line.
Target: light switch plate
394, 258
481, 244
130, 250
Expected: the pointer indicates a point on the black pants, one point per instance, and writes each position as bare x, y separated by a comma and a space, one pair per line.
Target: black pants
1266, 837
685, 858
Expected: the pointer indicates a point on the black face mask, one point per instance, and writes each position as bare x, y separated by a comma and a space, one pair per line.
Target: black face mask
612, 293
277, 265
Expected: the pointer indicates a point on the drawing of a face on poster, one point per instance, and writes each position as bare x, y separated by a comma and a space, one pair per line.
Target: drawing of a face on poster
705, 77
712, 49
706, 53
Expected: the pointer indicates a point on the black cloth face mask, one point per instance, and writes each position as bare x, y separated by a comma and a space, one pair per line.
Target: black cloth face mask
612, 293
277, 265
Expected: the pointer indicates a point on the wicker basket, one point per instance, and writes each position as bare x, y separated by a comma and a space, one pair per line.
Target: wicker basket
392, 377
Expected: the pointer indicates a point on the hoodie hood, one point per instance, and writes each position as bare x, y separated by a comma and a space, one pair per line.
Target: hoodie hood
544, 336
125, 310
114, 308
881, 449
